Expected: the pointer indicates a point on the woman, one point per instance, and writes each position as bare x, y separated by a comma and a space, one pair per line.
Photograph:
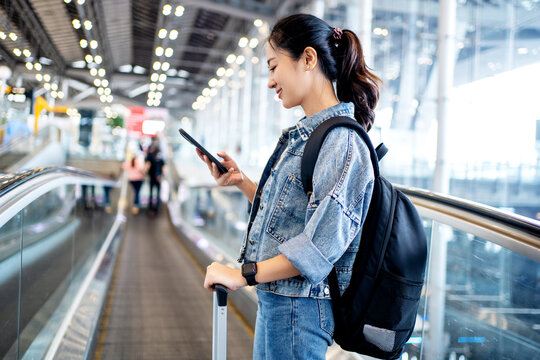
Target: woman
293, 241
135, 169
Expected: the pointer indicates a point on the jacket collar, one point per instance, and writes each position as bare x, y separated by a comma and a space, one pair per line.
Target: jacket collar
305, 126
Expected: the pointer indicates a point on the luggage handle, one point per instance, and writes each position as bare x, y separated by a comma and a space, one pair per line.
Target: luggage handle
219, 333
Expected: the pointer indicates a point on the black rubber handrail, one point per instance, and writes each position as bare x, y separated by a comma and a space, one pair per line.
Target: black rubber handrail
9, 182
529, 226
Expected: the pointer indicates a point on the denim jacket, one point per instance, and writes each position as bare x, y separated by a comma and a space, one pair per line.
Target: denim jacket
315, 233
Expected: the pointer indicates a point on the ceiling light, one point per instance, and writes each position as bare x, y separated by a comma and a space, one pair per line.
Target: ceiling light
101, 72
67, 1
220, 71
162, 78
88, 25
139, 69
29, 65
179, 11
2, 35
156, 65
213, 82
54, 94
154, 77
83, 43
229, 72
37, 66
97, 82
104, 82
231, 58
153, 86
167, 9
17, 51
243, 42
93, 71
60, 94
98, 59
54, 86
39, 77
195, 106
169, 52
47, 86
109, 99
221, 82
213, 92
159, 51
258, 22
93, 44
255, 60
160, 87
88, 58
158, 95
206, 92
151, 94
165, 66
100, 91
80, 2
13, 36
240, 59
253, 43
76, 23
47, 77
125, 68
149, 102
27, 53
107, 91
103, 98
162, 33
173, 34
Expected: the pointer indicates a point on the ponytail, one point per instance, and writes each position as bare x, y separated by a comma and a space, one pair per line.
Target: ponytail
340, 56
355, 83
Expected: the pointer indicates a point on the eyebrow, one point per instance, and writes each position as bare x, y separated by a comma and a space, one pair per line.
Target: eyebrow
268, 61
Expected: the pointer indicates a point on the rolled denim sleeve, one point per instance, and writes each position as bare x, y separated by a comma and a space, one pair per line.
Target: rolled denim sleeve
337, 207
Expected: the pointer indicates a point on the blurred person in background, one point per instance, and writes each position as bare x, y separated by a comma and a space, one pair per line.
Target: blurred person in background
135, 168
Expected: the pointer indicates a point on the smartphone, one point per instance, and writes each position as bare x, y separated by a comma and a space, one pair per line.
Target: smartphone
222, 169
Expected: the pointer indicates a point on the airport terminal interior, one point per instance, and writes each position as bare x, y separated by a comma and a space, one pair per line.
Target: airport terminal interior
109, 219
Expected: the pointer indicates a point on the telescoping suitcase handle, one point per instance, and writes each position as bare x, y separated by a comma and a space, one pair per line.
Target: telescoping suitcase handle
219, 334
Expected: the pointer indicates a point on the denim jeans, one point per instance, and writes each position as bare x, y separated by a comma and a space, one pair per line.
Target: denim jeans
292, 328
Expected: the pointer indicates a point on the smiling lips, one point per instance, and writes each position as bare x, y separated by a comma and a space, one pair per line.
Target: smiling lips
279, 93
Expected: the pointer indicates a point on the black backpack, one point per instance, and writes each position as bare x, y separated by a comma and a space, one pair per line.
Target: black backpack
376, 314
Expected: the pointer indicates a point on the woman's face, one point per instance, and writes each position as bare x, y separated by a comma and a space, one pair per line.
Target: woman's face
287, 76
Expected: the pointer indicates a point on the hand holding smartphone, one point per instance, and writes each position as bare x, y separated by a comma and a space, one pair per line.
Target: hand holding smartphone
221, 168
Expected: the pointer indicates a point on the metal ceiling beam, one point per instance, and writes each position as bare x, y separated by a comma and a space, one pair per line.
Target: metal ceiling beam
39, 34
243, 9
6, 56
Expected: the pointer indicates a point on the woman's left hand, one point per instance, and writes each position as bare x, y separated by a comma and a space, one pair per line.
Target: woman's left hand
217, 273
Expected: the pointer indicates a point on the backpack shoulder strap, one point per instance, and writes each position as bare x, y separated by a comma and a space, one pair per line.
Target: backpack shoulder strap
315, 141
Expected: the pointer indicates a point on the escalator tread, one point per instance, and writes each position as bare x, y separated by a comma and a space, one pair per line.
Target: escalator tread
159, 308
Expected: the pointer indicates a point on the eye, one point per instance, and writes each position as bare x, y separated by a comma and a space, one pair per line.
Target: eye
272, 68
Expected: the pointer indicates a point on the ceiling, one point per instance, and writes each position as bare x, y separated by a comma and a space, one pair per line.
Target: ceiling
126, 35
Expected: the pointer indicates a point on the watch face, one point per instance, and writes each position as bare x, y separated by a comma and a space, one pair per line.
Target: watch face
250, 268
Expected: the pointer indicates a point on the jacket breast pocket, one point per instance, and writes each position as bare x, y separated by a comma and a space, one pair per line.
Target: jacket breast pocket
289, 214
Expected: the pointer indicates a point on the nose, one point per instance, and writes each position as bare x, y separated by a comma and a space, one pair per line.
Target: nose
271, 83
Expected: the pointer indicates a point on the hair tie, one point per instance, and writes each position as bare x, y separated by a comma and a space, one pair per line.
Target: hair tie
337, 32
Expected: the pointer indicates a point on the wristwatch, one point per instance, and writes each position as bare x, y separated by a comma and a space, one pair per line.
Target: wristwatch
249, 270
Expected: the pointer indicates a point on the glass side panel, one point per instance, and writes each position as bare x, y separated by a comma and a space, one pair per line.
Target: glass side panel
48, 229
489, 307
221, 215
10, 270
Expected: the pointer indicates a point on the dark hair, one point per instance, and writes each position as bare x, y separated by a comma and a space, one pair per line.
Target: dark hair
341, 60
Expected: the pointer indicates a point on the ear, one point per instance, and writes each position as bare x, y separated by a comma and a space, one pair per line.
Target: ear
309, 58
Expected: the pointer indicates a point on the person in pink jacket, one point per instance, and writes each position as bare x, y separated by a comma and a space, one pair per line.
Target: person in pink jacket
135, 168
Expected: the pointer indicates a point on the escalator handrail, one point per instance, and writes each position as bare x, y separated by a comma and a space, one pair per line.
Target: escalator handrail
514, 221
9, 182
